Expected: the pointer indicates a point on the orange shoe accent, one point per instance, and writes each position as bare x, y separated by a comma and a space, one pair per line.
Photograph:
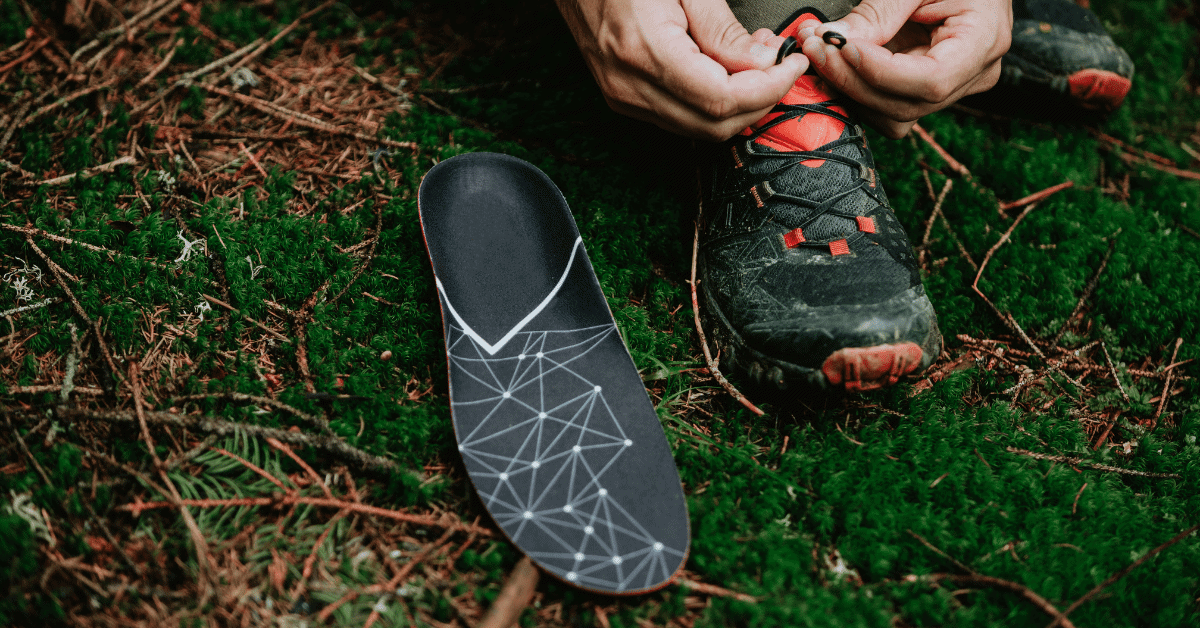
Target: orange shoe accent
839, 247
810, 131
1099, 89
793, 238
866, 224
870, 368
794, 27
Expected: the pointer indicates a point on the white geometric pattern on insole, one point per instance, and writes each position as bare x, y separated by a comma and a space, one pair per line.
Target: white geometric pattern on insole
572, 441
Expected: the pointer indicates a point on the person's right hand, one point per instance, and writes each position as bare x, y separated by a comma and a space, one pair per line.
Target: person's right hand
686, 65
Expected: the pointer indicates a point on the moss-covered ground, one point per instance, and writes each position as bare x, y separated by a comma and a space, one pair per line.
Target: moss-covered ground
306, 306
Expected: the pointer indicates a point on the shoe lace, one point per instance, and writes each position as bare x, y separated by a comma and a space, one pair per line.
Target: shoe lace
794, 158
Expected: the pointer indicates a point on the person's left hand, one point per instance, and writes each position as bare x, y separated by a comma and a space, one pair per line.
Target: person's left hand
904, 59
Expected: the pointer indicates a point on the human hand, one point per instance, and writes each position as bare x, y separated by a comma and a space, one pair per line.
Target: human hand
904, 59
686, 65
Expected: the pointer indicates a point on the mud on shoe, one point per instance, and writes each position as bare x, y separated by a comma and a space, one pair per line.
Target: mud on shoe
805, 272
1061, 46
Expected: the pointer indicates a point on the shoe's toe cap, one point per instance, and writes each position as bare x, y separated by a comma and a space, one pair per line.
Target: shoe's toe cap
856, 346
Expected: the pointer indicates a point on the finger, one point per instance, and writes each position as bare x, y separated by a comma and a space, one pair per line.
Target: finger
931, 74
659, 107
873, 20
762, 35
719, 35
806, 29
833, 67
891, 129
706, 86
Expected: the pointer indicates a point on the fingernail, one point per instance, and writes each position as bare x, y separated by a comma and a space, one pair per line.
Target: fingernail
851, 53
805, 33
762, 55
834, 38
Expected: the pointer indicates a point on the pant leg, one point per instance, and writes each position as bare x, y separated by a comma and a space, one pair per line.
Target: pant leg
756, 14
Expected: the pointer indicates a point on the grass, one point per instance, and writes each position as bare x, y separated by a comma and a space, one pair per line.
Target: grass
812, 508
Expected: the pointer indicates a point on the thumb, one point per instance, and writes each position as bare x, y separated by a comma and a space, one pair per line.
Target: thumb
876, 21
720, 36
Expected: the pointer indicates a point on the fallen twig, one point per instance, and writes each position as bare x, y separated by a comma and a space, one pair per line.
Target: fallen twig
954, 164
713, 590
937, 211
1037, 196
1166, 393
137, 507
316, 421
66, 178
996, 583
1079, 462
278, 36
1135, 159
940, 552
1008, 320
58, 273
712, 364
302, 119
331, 445
32, 306
516, 595
1111, 369
391, 584
203, 555
1062, 617
1087, 292
272, 332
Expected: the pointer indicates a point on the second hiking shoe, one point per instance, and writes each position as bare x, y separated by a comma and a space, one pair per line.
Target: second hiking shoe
1059, 45
806, 274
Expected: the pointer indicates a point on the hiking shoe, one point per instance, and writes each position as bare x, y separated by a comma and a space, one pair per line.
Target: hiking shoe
806, 274
1062, 46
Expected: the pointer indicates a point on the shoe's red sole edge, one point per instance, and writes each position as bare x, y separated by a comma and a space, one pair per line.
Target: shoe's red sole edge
860, 369
1098, 89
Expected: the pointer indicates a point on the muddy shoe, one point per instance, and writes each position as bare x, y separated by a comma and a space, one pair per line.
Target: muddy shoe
1061, 46
806, 275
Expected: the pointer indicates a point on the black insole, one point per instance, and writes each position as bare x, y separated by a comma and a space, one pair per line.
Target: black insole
553, 422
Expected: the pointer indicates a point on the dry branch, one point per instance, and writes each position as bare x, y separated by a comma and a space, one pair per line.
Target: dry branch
954, 164
712, 364
272, 332
514, 597
1080, 462
66, 178
330, 445
138, 506
713, 590
301, 119
58, 273
1087, 292
1037, 196
996, 583
1062, 618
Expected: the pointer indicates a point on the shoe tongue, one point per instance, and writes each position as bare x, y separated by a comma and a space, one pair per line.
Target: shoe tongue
810, 131
807, 132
